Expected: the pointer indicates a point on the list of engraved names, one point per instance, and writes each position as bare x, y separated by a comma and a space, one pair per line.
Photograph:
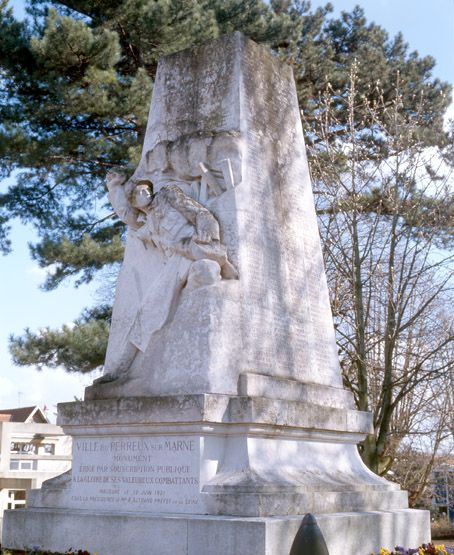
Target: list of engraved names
158, 474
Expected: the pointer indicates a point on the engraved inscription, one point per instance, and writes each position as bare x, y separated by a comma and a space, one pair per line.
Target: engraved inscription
158, 474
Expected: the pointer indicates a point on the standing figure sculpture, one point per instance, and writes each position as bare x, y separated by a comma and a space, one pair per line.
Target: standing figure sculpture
186, 237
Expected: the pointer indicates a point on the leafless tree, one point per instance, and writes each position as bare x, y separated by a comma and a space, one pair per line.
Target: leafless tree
386, 215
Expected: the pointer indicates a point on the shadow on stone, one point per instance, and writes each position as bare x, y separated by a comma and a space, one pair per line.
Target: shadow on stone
309, 539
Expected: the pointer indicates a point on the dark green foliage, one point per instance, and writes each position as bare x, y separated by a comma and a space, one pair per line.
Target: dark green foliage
76, 82
78, 348
76, 87
82, 257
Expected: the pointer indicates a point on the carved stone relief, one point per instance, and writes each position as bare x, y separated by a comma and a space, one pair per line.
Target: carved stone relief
166, 204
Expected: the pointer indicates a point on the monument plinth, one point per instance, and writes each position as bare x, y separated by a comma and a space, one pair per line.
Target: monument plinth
221, 418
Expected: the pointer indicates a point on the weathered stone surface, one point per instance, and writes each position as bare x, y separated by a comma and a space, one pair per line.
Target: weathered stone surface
215, 454
224, 129
222, 394
259, 385
352, 533
212, 409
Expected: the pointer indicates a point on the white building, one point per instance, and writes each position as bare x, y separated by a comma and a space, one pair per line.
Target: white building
31, 450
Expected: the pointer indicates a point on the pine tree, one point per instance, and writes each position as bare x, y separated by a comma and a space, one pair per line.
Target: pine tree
76, 86
77, 80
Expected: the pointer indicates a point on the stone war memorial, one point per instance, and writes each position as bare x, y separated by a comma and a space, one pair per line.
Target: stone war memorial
220, 420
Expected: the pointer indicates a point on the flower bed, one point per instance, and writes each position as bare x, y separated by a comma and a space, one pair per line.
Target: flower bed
34, 552
424, 549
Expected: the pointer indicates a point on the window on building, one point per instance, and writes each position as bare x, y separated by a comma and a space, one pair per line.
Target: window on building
16, 499
20, 464
47, 448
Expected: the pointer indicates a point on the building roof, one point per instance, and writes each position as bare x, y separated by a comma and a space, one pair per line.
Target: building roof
23, 414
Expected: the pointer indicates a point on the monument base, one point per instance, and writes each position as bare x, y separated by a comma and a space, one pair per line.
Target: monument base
208, 473
118, 533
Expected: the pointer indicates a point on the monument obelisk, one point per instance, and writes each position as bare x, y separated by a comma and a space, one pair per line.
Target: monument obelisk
221, 417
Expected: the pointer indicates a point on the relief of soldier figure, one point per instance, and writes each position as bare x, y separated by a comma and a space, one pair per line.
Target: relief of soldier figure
166, 208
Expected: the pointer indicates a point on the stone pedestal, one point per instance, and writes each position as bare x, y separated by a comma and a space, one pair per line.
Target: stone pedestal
204, 474
221, 419
137, 532
217, 455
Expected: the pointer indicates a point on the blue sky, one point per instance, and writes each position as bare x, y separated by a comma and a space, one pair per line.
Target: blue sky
428, 28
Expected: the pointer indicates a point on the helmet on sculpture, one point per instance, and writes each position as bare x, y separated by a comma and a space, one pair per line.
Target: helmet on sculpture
142, 194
